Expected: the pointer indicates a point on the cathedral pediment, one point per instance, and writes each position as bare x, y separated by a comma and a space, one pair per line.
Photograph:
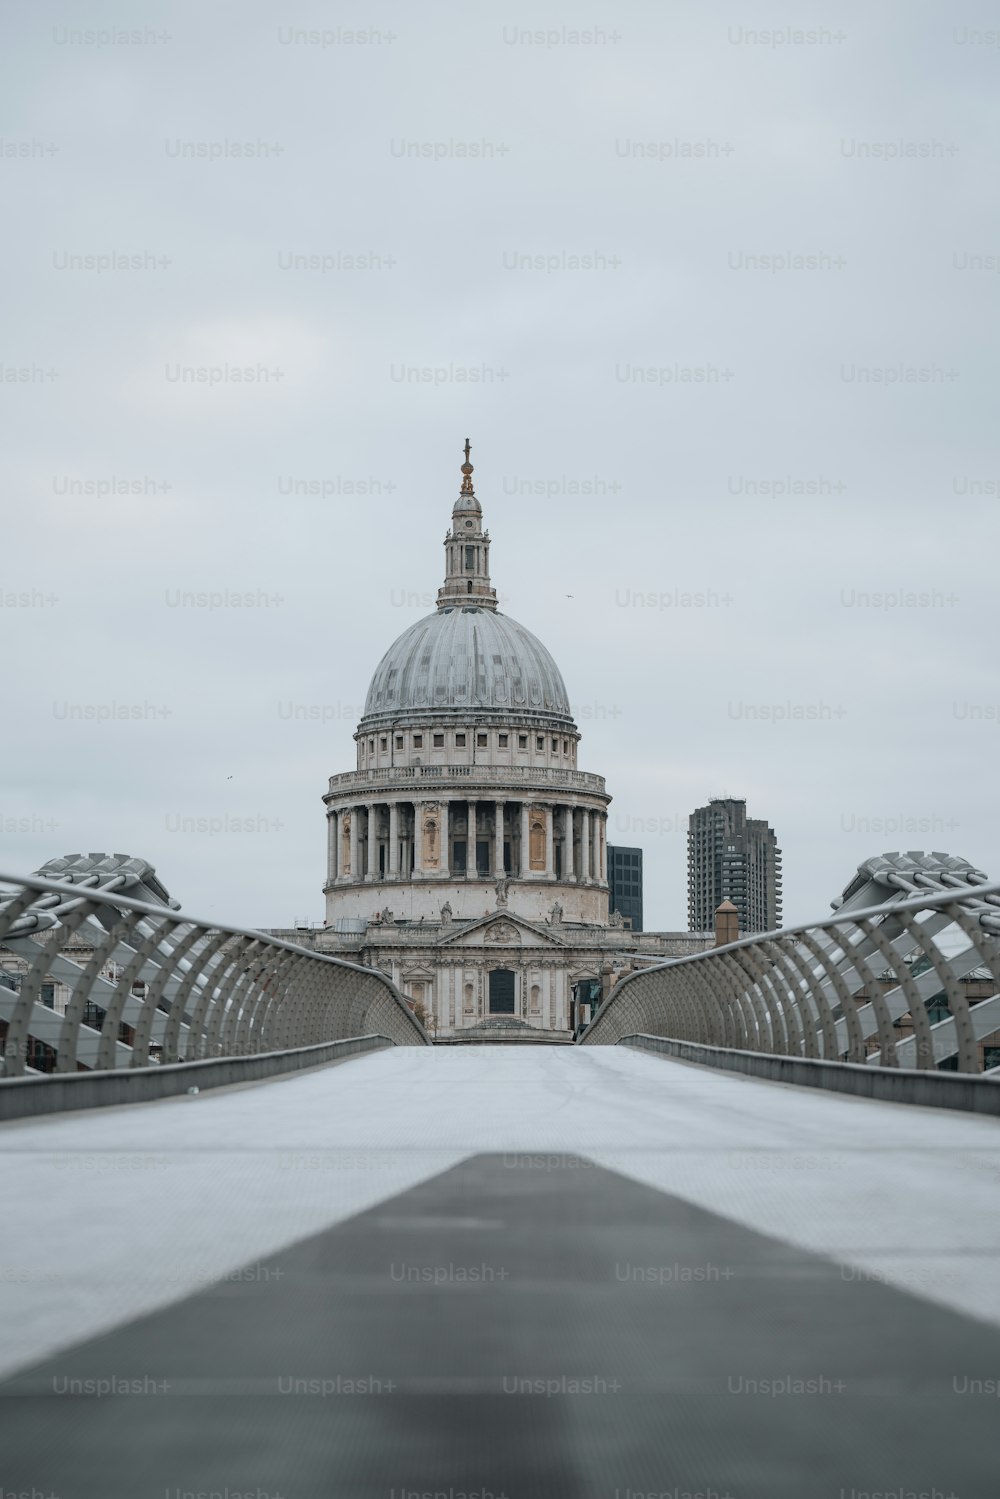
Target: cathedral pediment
503, 929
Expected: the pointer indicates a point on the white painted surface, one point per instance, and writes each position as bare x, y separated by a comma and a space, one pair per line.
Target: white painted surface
111, 1213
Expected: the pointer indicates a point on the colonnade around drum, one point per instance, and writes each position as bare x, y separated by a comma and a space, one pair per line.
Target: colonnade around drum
485, 838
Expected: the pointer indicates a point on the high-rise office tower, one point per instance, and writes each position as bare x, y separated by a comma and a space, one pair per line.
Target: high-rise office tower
625, 884
732, 857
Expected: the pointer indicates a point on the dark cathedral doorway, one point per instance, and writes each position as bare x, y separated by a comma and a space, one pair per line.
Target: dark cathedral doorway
502, 991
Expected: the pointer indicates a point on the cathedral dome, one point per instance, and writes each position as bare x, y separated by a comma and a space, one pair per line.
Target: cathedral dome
467, 792
467, 659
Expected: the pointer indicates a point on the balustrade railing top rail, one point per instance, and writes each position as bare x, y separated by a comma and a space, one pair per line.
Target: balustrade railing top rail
542, 775
912, 982
148, 981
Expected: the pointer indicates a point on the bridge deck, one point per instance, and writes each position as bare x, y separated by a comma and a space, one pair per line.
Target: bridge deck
772, 1291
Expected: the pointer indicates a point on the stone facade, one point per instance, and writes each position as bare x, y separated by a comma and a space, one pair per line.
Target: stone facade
446, 965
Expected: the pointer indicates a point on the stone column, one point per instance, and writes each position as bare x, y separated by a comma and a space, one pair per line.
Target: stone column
471, 867
567, 872
595, 854
355, 813
444, 834
392, 863
602, 845
332, 833
550, 842
498, 839
372, 844
525, 869
586, 846
418, 839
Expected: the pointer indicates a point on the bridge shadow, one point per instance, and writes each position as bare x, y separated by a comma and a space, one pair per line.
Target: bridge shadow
520, 1325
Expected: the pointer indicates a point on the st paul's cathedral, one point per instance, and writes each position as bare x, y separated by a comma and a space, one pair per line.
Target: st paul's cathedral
467, 853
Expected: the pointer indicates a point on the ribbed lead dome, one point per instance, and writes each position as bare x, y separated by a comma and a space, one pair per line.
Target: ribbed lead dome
462, 660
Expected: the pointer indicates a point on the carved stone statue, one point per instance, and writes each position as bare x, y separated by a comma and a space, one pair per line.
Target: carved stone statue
616, 919
446, 913
556, 914
502, 888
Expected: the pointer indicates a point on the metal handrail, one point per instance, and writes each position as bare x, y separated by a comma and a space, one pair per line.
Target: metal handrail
210, 989
818, 989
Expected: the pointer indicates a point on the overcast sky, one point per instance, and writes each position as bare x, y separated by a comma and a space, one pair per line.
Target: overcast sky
793, 238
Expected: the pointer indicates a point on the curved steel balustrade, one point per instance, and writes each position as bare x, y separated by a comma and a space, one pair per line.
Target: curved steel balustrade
206, 990
836, 988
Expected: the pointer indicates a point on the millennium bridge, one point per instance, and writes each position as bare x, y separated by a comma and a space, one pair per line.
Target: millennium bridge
260, 1236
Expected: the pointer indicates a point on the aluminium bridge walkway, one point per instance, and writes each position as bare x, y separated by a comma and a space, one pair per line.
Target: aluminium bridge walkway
478, 1270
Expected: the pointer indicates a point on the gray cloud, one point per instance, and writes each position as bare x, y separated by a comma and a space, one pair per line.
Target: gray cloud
781, 394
